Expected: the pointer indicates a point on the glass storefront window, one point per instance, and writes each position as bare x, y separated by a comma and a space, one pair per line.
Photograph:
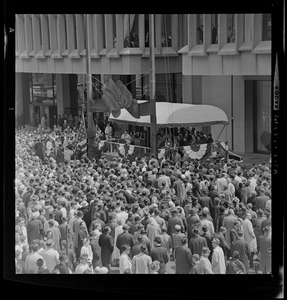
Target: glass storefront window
43, 88
131, 31
230, 28
266, 27
43, 98
214, 29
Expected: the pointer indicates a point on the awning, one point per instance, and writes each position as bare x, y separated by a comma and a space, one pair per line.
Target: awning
177, 115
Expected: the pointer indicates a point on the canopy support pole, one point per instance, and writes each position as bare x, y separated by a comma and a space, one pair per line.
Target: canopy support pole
220, 132
153, 125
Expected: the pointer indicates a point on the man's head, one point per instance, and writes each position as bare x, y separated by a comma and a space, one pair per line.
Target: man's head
205, 251
126, 248
236, 255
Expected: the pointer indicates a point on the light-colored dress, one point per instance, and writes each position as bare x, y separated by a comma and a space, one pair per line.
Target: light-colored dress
218, 261
116, 253
249, 235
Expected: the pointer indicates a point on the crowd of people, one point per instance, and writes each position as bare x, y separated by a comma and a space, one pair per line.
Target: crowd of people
76, 215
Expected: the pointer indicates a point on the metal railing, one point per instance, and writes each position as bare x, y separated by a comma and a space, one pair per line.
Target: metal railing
115, 143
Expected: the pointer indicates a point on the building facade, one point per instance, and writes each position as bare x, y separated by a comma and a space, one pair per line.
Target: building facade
217, 59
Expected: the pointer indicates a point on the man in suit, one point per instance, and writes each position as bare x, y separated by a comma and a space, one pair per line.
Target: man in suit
191, 219
242, 247
158, 252
246, 193
107, 246
125, 238
197, 243
174, 220
205, 200
261, 200
183, 258
76, 229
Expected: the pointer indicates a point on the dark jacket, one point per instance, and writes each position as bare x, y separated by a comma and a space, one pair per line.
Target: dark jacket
218, 221
171, 224
205, 201
191, 220
183, 260
160, 253
125, 238
106, 243
196, 244
244, 253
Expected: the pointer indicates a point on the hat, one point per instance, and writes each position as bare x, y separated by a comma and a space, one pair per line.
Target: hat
193, 210
267, 210
125, 227
205, 209
50, 243
174, 211
177, 227
158, 239
196, 257
35, 215
84, 203
216, 241
205, 250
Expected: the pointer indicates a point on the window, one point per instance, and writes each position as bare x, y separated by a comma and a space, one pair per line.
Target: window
230, 28
75, 31
166, 30
103, 31
146, 26
266, 27
47, 27
131, 30
214, 28
199, 29
65, 33
182, 30
114, 31
42, 88
29, 33
40, 33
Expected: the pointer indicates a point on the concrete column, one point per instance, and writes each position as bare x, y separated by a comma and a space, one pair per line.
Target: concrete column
63, 92
248, 122
239, 114
192, 89
18, 93
66, 92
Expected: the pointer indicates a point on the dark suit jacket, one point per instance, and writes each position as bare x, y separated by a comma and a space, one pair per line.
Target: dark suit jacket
171, 224
106, 243
160, 253
183, 260
196, 244
125, 238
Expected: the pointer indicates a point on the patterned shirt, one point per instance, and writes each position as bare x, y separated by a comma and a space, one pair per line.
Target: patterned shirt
176, 239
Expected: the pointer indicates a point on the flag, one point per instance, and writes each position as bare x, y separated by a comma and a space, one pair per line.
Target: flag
82, 136
207, 153
131, 149
161, 153
122, 150
199, 152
